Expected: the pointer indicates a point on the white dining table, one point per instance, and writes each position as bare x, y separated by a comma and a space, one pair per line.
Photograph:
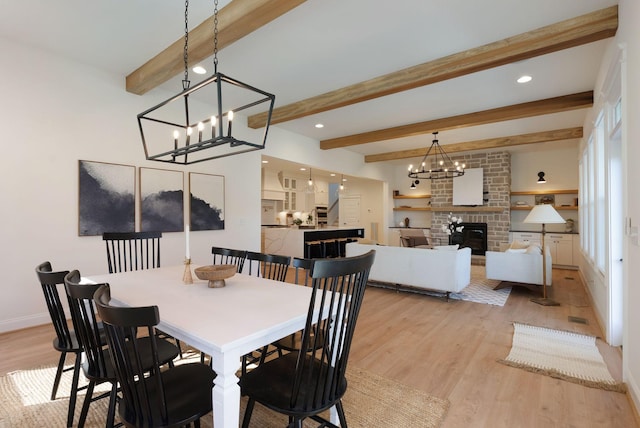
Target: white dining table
226, 323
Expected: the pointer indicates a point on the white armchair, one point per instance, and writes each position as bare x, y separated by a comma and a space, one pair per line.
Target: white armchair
522, 265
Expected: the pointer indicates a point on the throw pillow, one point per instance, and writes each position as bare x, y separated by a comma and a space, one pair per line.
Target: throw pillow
446, 247
534, 249
516, 250
516, 245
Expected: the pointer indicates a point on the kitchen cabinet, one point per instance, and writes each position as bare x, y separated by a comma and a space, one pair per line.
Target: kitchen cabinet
290, 186
561, 246
527, 237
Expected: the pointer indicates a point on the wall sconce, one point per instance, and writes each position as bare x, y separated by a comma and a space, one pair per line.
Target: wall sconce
541, 179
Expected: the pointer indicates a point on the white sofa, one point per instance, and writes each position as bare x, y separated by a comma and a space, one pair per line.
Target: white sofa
514, 265
444, 270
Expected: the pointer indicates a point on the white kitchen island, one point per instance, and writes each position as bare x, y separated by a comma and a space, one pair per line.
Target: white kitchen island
290, 241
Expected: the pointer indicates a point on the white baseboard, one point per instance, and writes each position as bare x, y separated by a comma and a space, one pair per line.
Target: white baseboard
24, 322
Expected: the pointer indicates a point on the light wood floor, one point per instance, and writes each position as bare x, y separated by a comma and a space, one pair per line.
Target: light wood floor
449, 349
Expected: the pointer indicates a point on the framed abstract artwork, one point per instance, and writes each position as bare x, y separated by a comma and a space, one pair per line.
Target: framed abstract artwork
161, 200
206, 201
106, 198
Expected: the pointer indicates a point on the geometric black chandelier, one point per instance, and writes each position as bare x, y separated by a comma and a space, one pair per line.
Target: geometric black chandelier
168, 131
439, 166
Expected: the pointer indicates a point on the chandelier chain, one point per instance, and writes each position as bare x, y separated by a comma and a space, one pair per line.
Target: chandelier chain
185, 81
215, 36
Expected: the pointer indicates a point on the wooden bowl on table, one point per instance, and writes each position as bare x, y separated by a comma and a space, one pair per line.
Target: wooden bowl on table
215, 274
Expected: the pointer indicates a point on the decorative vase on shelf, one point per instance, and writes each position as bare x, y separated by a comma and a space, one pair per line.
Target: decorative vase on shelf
455, 238
568, 226
406, 222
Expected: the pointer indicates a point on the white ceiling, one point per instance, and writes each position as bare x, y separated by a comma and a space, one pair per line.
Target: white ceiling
325, 45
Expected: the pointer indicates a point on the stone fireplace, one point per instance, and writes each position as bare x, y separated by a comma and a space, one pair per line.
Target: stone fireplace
474, 236
495, 211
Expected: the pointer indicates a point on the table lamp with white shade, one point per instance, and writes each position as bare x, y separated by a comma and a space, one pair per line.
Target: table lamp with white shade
544, 214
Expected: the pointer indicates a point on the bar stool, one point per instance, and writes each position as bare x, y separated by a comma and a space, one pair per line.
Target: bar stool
331, 248
315, 249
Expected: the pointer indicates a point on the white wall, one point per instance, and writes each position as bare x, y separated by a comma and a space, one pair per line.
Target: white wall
627, 39
54, 112
558, 160
629, 36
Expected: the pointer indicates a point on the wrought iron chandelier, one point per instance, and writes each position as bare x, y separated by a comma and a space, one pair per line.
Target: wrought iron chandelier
439, 167
169, 134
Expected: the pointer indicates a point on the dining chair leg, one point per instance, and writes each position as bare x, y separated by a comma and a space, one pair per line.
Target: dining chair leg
85, 404
56, 382
247, 413
111, 413
340, 410
74, 390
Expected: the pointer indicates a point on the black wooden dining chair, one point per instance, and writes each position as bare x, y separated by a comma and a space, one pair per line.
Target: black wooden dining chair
127, 251
66, 341
228, 256
172, 397
98, 367
303, 384
270, 266
302, 276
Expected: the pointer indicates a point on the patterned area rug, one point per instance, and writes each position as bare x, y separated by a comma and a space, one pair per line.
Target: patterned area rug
480, 290
560, 354
371, 401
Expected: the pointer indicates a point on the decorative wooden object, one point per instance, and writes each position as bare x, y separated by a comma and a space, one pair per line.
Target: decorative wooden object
215, 274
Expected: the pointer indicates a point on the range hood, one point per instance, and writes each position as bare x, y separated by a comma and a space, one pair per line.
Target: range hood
271, 187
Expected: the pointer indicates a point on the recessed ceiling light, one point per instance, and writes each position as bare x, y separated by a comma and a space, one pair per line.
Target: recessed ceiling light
319, 125
524, 79
303, 169
265, 161
198, 69
333, 174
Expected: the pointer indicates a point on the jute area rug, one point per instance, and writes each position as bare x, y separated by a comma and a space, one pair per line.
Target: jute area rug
560, 354
371, 401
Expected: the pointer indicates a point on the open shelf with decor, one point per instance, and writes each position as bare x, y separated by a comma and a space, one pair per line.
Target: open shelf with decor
410, 208
560, 199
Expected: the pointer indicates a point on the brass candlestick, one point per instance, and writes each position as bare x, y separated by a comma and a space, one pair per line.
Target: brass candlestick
186, 277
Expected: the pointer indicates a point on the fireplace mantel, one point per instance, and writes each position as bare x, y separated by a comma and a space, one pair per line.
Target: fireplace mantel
460, 209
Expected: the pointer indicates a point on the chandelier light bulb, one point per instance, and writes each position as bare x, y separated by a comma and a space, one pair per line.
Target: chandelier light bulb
230, 119
176, 134
410, 167
200, 128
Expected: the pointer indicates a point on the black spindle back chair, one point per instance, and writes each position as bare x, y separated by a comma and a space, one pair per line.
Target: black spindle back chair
270, 266
228, 256
66, 340
127, 251
172, 397
303, 384
97, 365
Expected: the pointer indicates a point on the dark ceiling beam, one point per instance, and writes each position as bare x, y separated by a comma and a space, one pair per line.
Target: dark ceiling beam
489, 143
236, 20
577, 31
517, 111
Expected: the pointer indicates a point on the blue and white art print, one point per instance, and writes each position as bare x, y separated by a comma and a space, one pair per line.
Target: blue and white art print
206, 202
106, 198
161, 200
